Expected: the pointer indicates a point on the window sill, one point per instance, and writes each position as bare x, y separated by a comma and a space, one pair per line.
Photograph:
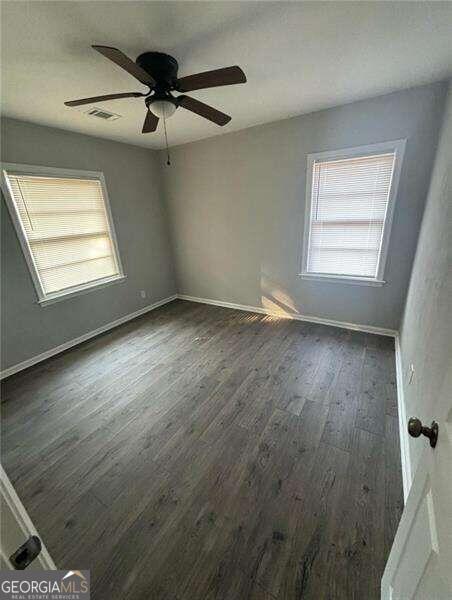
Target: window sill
342, 279
65, 295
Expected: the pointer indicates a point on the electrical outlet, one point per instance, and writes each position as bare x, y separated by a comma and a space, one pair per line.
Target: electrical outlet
410, 374
143, 293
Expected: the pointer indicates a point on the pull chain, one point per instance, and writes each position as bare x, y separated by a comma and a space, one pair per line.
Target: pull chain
168, 162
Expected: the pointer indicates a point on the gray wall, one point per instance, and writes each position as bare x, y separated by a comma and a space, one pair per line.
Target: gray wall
237, 206
133, 181
426, 336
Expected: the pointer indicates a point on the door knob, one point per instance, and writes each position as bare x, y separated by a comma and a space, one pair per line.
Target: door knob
415, 429
25, 554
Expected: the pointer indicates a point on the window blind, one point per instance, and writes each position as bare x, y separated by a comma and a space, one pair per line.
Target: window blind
348, 208
67, 229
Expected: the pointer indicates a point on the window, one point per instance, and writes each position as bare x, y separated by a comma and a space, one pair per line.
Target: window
350, 202
64, 224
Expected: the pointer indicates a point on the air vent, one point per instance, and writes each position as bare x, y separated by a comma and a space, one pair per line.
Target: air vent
100, 113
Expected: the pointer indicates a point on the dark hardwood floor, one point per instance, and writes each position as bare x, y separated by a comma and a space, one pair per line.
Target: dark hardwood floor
199, 452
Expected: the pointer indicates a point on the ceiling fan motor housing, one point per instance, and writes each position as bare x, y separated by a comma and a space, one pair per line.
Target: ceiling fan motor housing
162, 67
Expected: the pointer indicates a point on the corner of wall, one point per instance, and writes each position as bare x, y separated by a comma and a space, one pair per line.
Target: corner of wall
163, 178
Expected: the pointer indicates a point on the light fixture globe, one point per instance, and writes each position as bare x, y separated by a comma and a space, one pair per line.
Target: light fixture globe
163, 109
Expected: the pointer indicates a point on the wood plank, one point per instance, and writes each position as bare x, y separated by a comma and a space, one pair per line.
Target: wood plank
377, 390
340, 424
204, 452
355, 556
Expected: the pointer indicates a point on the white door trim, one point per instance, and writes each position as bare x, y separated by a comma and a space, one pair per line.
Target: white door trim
403, 423
10, 497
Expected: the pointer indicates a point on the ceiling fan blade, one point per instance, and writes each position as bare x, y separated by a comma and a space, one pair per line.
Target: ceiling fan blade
203, 110
150, 122
103, 98
126, 63
208, 79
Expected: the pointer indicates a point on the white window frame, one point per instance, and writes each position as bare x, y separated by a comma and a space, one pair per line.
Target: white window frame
70, 292
398, 147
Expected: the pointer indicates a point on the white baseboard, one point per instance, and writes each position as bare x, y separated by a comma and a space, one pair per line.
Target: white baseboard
403, 430
296, 316
83, 338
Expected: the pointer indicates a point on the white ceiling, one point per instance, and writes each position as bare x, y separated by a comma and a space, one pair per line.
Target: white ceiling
298, 57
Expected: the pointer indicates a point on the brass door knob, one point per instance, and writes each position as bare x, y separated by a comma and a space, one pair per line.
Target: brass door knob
415, 429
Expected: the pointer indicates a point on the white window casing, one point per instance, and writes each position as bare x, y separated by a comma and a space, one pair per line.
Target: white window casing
64, 224
350, 198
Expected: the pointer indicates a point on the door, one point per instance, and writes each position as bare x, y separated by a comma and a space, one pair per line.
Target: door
420, 563
18, 535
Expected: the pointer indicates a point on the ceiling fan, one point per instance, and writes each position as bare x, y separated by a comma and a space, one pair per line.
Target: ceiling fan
159, 72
